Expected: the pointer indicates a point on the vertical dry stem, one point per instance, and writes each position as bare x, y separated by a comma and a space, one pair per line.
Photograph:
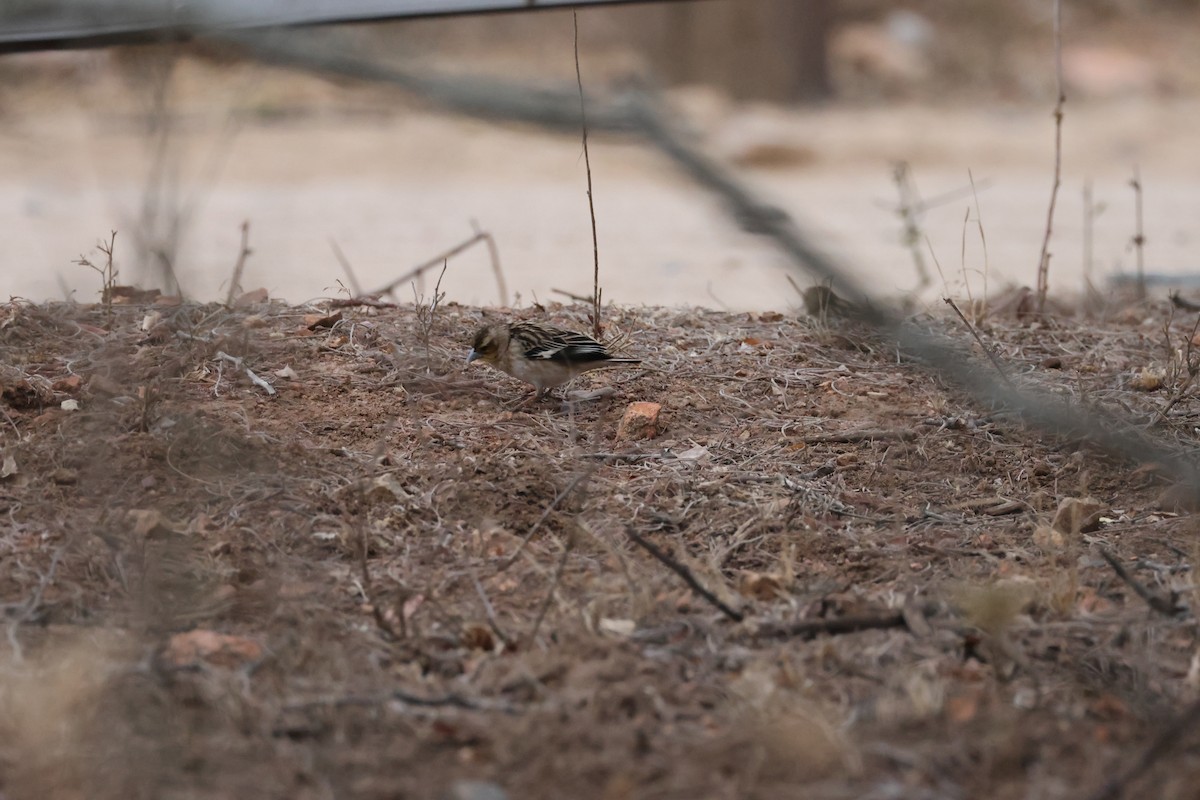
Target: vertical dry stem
235, 282
107, 273
1043, 274
909, 209
1139, 236
591, 203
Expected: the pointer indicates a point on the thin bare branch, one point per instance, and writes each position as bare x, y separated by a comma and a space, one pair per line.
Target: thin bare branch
1043, 270
684, 573
591, 200
235, 281
1169, 608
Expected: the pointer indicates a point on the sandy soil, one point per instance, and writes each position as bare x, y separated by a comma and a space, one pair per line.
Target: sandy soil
395, 183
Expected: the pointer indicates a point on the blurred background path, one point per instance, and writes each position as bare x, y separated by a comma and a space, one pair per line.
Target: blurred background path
953, 93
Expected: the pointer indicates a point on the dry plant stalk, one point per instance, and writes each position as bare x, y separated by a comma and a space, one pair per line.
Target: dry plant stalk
236, 281
427, 313
351, 278
417, 271
686, 574
1043, 272
1183, 366
909, 208
978, 340
591, 202
494, 255
1091, 210
983, 306
108, 275
1139, 237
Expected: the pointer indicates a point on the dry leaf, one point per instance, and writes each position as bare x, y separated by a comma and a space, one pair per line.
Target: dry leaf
693, 454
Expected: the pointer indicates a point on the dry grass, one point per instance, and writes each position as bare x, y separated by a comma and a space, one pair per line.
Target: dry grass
583, 667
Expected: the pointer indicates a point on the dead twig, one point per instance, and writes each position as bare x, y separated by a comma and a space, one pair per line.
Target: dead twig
449, 700
108, 275
239, 363
494, 255
591, 202
869, 435
1160, 604
1043, 271
1139, 234
420, 269
1190, 365
1091, 210
235, 282
351, 278
578, 298
812, 628
684, 573
909, 209
1181, 303
571, 487
974, 333
427, 314
350, 302
488, 610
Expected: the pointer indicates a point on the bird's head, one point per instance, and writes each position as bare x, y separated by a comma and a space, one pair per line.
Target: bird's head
490, 341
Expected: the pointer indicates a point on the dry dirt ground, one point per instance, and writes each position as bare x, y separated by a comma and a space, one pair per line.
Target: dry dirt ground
212, 591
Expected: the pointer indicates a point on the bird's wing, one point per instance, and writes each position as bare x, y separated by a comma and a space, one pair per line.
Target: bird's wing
555, 344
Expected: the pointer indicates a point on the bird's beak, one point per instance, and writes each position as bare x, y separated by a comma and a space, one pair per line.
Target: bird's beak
471, 356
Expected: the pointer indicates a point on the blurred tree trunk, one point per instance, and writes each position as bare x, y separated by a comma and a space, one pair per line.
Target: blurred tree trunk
754, 49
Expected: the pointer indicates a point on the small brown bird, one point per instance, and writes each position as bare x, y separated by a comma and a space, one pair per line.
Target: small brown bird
540, 355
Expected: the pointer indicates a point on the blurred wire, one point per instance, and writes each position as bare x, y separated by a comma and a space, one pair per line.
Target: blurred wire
639, 112
46, 24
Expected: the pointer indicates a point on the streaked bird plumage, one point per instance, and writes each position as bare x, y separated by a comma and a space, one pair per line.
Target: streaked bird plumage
541, 355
